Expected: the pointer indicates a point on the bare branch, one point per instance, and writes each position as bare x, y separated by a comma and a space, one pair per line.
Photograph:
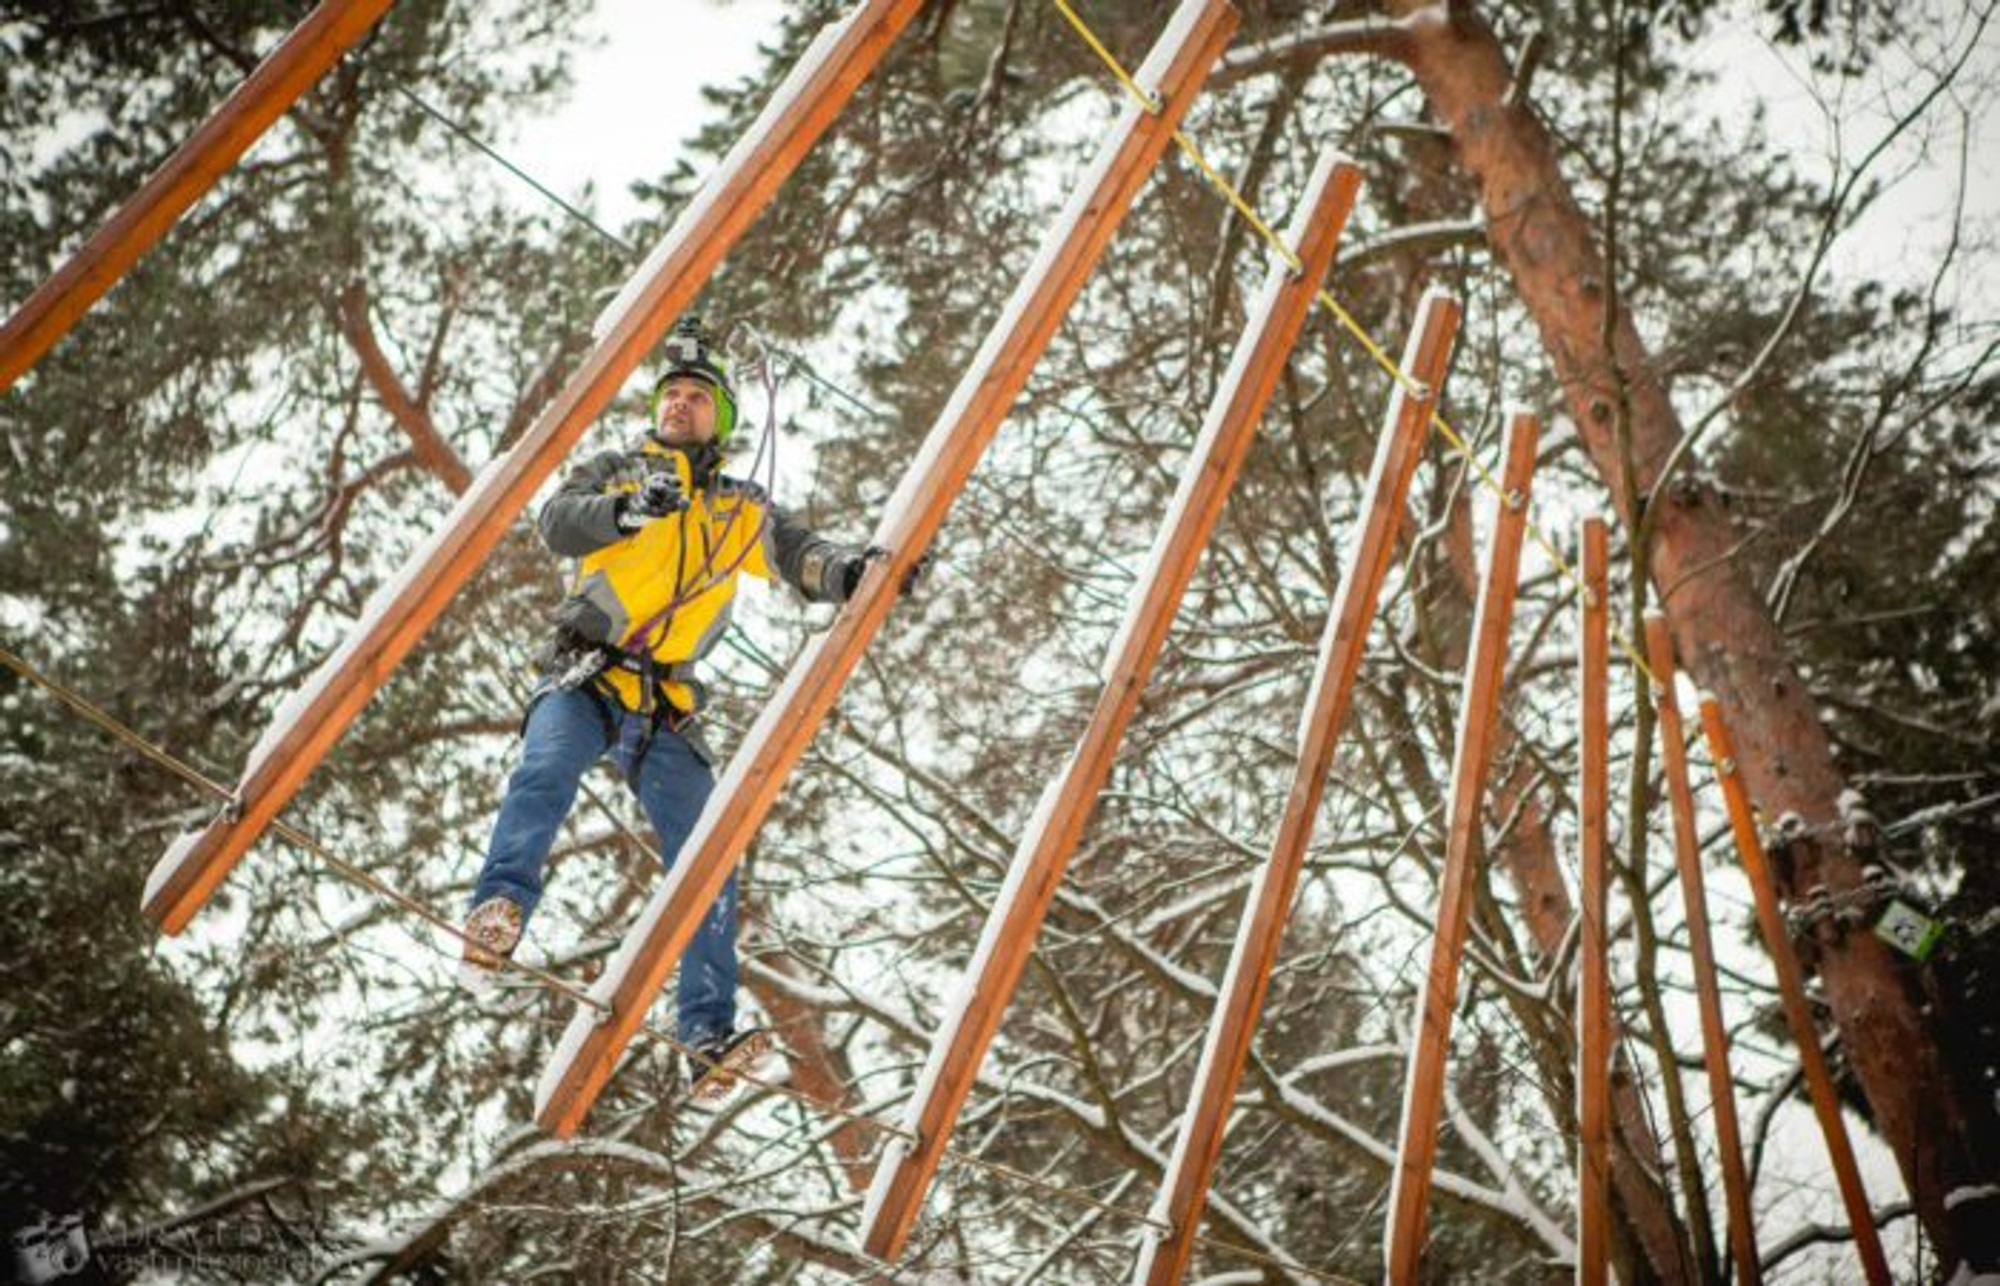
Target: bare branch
429, 445
1419, 239
1837, 205
1389, 38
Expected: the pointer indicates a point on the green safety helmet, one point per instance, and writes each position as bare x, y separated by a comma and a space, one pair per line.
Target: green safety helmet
689, 354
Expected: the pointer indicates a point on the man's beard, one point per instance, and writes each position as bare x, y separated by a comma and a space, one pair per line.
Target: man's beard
675, 435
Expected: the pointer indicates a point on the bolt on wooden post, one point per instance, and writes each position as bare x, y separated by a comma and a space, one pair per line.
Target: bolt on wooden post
1479, 708
1164, 1257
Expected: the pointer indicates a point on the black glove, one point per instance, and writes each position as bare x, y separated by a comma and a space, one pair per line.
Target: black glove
660, 495
853, 566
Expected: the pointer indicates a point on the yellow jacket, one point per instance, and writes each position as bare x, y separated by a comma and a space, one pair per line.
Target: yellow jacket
667, 590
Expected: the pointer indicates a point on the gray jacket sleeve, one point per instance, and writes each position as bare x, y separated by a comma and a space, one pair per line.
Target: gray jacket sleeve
582, 516
795, 553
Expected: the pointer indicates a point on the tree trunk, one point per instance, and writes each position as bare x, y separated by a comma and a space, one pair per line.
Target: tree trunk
1726, 635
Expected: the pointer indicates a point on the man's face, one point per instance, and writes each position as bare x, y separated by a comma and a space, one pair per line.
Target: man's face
687, 412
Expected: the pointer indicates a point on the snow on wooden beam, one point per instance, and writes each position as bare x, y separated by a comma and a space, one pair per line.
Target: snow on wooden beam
1479, 707
312, 720
1792, 991
1276, 318
1593, 992
1708, 993
299, 60
591, 1046
1164, 1256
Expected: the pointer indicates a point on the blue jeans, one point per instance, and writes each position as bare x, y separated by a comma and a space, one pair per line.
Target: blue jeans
567, 732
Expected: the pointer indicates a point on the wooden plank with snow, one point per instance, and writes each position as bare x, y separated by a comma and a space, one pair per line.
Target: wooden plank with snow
1276, 318
1792, 992
1479, 707
1593, 989
313, 718
1708, 993
291, 68
594, 1040
1164, 1256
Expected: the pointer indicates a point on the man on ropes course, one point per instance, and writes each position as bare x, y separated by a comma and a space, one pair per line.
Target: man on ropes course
660, 536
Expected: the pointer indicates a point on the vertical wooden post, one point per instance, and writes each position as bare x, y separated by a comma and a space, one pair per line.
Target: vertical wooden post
590, 1048
1423, 1097
1792, 991
1708, 995
309, 724
299, 60
1593, 991
1164, 1257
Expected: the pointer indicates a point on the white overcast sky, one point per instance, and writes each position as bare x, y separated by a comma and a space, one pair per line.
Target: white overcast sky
637, 101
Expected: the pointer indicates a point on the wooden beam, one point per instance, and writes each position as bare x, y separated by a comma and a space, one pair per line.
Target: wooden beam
1708, 993
309, 724
1277, 316
591, 1046
299, 60
1593, 990
1792, 991
1164, 1257
1479, 705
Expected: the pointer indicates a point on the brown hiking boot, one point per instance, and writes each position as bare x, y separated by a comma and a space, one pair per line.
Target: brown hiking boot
717, 1069
491, 933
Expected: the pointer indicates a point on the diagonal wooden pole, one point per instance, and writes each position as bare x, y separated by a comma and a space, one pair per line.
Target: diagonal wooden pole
1479, 705
590, 1048
1593, 990
1277, 316
1164, 1256
290, 69
1792, 992
1708, 993
313, 719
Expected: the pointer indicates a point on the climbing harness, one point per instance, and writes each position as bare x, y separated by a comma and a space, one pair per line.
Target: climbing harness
581, 663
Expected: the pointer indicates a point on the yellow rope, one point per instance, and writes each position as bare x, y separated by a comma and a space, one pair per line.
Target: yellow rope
1382, 357
1149, 102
